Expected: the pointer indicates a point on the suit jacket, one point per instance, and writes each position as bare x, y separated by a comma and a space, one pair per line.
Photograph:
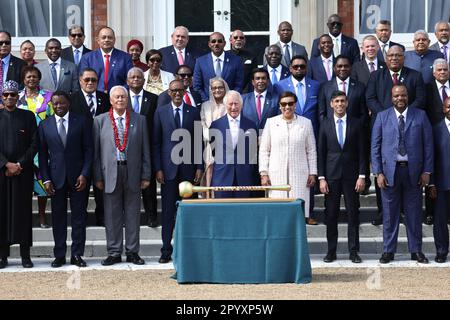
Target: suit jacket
119, 64
15, 70
285, 73
163, 127
232, 73
164, 98
79, 104
248, 60
361, 72
226, 170
441, 156
422, 64
170, 58
434, 103
68, 77
379, 87
311, 109
380, 56
270, 108
336, 163
137, 153
59, 164
357, 107
148, 108
297, 50
67, 54
349, 48
418, 141
316, 70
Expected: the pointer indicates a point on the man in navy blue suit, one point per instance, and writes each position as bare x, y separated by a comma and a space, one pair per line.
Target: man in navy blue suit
236, 149
320, 68
277, 71
383, 32
441, 184
402, 160
66, 153
110, 64
218, 63
260, 104
180, 118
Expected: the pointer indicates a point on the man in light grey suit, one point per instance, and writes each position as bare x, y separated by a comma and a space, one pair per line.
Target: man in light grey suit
442, 32
57, 74
121, 169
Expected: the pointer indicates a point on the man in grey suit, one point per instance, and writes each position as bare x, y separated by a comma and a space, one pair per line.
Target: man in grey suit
121, 169
57, 74
442, 32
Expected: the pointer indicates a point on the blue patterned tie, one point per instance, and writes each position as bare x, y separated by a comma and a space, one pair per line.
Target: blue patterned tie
341, 133
218, 69
136, 104
54, 74
77, 56
301, 100
401, 142
274, 76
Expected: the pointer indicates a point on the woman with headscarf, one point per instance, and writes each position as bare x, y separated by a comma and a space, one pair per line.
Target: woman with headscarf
156, 80
135, 49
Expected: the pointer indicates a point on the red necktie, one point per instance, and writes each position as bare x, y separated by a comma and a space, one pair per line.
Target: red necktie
395, 78
187, 100
258, 106
105, 76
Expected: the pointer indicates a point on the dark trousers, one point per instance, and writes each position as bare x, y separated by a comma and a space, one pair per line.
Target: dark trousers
99, 208
233, 194
24, 251
78, 205
440, 228
429, 204
332, 203
150, 201
410, 195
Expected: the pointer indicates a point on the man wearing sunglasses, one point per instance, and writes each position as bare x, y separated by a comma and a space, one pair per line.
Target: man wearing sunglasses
218, 63
342, 45
77, 48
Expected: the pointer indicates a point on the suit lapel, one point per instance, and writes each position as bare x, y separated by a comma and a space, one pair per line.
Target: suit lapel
54, 129
72, 123
409, 118
394, 122
186, 116
266, 109
225, 65
170, 117
144, 105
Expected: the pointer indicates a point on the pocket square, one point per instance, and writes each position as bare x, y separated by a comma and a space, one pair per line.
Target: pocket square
248, 62
22, 131
67, 72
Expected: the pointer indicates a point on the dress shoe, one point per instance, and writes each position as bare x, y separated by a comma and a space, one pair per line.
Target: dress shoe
386, 257
440, 258
330, 257
429, 220
355, 258
135, 259
27, 263
110, 260
3, 263
44, 226
165, 259
419, 257
153, 224
311, 222
377, 222
78, 261
58, 262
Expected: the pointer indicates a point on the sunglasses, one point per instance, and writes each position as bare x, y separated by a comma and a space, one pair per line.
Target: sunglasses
87, 80
216, 41
336, 23
177, 90
10, 94
184, 75
8, 43
287, 104
299, 66
77, 35
155, 60
238, 38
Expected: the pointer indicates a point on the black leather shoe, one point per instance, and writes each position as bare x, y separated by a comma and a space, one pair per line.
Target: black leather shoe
78, 261
110, 260
419, 257
27, 263
58, 262
440, 258
429, 220
355, 258
377, 222
3, 263
135, 259
153, 223
330, 257
386, 257
165, 259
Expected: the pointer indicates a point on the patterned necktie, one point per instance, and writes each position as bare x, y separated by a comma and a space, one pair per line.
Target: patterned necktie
444, 94
218, 68
177, 118
300, 97
383, 49
186, 99
395, 78
401, 142
287, 55
274, 76
341, 133
258, 107
62, 132
121, 133
372, 67
444, 52
105, 75
54, 74
91, 105
1, 78
180, 58
136, 103
77, 56
336, 48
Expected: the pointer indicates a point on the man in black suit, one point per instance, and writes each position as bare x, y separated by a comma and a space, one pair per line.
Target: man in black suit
383, 32
77, 48
90, 102
320, 68
369, 63
276, 70
342, 165
248, 58
144, 103
10, 66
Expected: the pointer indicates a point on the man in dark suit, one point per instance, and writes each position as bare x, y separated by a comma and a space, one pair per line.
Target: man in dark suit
77, 48
191, 97
442, 32
144, 103
342, 164
441, 184
91, 103
369, 63
342, 45
66, 153
10, 66
383, 32
179, 53
218, 63
110, 64
276, 70
170, 172
260, 104
236, 149
248, 58
402, 160
320, 68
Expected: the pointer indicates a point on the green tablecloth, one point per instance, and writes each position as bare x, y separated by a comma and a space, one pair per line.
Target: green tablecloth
241, 243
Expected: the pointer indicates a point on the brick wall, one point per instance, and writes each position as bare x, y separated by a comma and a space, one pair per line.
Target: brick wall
99, 18
346, 12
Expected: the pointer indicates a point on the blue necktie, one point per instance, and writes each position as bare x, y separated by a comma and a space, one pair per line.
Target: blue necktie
274, 76
136, 104
341, 133
218, 69
401, 141
77, 56
54, 74
301, 100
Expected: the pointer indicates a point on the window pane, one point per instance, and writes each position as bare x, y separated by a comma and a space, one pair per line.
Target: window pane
251, 15
200, 42
197, 16
34, 18
7, 17
409, 16
437, 10
371, 12
66, 13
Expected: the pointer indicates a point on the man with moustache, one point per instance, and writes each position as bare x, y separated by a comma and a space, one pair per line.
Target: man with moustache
248, 59
442, 32
383, 32
77, 48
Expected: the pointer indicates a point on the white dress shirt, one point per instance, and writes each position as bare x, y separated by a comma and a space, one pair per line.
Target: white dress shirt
234, 124
94, 98
222, 60
375, 63
141, 95
447, 123
174, 107
57, 67
336, 40
103, 57
447, 88
66, 122
277, 72
183, 53
340, 82
283, 49
263, 99
399, 157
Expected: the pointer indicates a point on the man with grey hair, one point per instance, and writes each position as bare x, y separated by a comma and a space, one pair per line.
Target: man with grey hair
383, 33
121, 169
421, 58
442, 32
276, 70
77, 48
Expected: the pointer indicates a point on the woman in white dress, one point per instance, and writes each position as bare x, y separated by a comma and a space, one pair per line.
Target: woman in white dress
287, 153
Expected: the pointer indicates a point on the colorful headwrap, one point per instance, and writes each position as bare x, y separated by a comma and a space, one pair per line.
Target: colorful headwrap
11, 86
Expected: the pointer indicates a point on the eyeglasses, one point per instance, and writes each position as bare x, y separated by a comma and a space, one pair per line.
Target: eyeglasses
336, 23
87, 80
184, 75
77, 35
8, 43
217, 88
177, 90
287, 104
9, 94
394, 55
216, 41
299, 66
238, 38
155, 60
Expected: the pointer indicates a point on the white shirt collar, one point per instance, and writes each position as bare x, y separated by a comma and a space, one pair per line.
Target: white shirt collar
174, 107
177, 50
404, 113
141, 94
221, 57
330, 58
94, 94
375, 61
338, 38
399, 73
263, 94
277, 69
283, 44
122, 116
58, 62
230, 118
439, 85
295, 81
104, 53
339, 81
66, 118
344, 119
441, 45
80, 49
